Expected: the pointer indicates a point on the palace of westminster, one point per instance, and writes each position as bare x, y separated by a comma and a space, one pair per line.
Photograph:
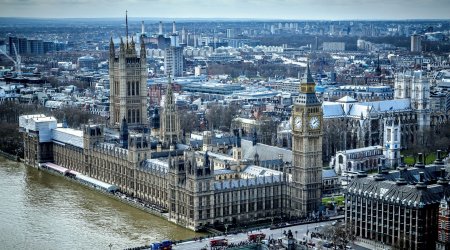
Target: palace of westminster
198, 187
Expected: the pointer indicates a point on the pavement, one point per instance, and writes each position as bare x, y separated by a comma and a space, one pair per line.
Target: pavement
298, 231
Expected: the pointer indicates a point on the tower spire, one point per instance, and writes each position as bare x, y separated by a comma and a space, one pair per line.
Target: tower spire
307, 84
126, 24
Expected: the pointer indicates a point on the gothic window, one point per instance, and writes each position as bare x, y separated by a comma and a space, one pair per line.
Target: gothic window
388, 135
129, 116
137, 87
133, 88
128, 89
138, 118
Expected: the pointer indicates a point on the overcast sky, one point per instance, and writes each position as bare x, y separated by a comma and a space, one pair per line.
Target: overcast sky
261, 9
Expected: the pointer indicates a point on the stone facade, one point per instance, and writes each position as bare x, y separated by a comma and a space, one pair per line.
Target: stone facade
196, 189
306, 149
128, 85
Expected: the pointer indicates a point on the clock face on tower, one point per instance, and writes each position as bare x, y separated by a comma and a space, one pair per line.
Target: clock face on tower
298, 122
314, 122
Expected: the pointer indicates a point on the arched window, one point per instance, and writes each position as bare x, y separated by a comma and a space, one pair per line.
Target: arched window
128, 89
341, 159
137, 87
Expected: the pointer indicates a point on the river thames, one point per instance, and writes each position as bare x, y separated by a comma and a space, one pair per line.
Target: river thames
42, 211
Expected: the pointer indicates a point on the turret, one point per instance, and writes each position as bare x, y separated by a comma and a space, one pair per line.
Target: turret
143, 52
254, 138
256, 159
111, 49
138, 148
122, 46
133, 45
92, 134
64, 123
123, 137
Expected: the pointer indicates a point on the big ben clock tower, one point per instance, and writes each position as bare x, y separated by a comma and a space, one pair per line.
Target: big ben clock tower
307, 121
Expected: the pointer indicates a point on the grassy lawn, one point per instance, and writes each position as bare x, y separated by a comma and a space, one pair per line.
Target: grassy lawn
430, 158
338, 199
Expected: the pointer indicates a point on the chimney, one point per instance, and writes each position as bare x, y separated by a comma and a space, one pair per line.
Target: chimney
438, 160
443, 178
421, 184
379, 176
419, 163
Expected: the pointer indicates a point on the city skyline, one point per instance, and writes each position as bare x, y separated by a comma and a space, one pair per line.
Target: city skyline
233, 9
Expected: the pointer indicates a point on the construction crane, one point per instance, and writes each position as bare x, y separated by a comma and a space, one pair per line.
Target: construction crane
17, 62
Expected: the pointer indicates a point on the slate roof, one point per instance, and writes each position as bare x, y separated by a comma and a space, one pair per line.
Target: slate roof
265, 152
335, 109
328, 173
409, 194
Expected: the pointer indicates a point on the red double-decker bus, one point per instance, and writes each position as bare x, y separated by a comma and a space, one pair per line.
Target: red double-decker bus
218, 243
256, 237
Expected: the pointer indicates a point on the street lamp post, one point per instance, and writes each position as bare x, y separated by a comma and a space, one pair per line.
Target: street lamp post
110, 246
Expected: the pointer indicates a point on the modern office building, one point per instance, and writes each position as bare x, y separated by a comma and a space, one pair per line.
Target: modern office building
333, 46
399, 208
173, 56
416, 43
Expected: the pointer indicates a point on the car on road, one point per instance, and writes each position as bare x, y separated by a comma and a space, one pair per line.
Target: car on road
312, 244
327, 244
218, 243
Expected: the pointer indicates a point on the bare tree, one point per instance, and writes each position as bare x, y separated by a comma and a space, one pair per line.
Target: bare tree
189, 121
340, 234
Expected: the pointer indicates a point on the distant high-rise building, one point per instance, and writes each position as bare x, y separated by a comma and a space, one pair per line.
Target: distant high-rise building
416, 43
19, 44
333, 46
230, 33
36, 47
173, 56
173, 61
272, 29
48, 46
183, 36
